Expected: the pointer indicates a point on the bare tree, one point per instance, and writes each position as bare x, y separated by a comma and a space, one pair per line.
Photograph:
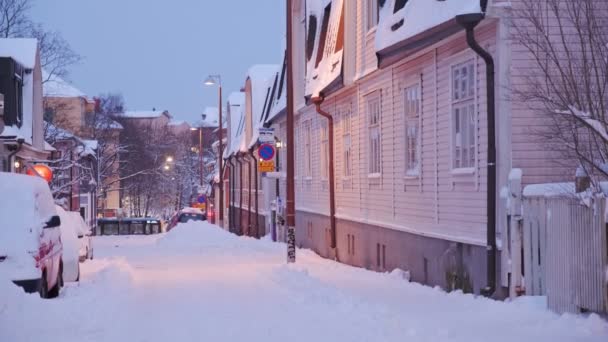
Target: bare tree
14, 19
568, 44
56, 54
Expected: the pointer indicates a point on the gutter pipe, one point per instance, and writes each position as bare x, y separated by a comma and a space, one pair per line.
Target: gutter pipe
469, 22
332, 195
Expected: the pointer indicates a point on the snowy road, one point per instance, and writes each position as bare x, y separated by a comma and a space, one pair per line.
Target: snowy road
199, 283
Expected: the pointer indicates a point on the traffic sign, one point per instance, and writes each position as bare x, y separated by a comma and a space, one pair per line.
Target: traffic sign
266, 135
266, 166
266, 152
201, 199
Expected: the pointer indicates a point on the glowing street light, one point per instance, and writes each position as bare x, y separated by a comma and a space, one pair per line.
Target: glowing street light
169, 159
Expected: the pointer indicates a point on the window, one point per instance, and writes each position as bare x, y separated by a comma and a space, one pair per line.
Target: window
324, 152
464, 148
381, 256
412, 130
399, 4
310, 36
323, 37
372, 14
350, 244
347, 167
307, 149
374, 135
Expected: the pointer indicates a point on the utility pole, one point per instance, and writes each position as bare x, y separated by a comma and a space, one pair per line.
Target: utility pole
220, 158
290, 201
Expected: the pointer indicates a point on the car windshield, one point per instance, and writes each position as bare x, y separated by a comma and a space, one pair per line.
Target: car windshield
190, 217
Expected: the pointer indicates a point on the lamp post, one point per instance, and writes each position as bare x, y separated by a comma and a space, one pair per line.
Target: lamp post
200, 151
210, 81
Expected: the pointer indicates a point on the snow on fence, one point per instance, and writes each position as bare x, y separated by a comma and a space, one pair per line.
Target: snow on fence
566, 249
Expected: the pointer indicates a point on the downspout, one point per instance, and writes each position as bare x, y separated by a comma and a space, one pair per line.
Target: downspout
469, 22
20, 142
249, 226
231, 204
240, 231
332, 195
257, 213
229, 195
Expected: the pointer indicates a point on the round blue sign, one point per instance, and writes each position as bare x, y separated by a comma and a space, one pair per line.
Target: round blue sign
266, 151
201, 199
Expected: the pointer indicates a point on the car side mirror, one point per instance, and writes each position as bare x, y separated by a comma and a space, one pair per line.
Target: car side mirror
53, 222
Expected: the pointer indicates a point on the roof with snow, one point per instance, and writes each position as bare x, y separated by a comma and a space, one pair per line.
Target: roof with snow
324, 58
211, 117
278, 101
57, 87
145, 114
401, 21
236, 129
23, 50
261, 78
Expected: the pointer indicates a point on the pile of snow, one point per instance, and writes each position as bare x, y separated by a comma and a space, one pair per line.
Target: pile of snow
416, 17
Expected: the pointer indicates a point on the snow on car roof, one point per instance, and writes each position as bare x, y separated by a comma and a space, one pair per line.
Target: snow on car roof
30, 205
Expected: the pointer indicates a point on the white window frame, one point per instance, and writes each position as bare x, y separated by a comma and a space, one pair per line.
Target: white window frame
324, 151
372, 15
347, 149
373, 102
307, 149
460, 101
412, 115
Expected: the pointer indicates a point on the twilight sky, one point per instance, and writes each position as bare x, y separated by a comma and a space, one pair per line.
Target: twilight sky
157, 53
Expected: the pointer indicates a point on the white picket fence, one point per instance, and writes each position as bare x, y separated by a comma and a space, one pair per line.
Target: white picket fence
565, 249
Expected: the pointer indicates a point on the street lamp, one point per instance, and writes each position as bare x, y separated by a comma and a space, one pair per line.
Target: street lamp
169, 159
200, 150
210, 81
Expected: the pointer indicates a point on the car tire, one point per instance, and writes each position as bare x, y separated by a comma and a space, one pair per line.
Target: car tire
54, 292
43, 289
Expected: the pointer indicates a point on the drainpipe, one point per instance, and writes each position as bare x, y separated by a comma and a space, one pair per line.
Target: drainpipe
231, 203
257, 210
332, 195
240, 231
248, 195
20, 142
469, 22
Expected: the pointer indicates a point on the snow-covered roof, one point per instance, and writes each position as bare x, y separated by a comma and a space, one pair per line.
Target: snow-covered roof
177, 122
325, 66
23, 50
57, 87
416, 17
211, 117
145, 114
261, 76
279, 101
236, 130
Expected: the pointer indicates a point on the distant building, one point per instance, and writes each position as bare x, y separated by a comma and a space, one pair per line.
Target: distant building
22, 139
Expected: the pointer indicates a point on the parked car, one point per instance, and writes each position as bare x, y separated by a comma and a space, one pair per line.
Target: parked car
84, 233
30, 238
186, 215
71, 245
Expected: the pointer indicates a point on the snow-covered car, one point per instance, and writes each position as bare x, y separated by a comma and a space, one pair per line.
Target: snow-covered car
30, 238
186, 215
84, 237
71, 245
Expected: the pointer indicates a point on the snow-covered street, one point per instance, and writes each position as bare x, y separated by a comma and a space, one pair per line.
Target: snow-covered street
199, 283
